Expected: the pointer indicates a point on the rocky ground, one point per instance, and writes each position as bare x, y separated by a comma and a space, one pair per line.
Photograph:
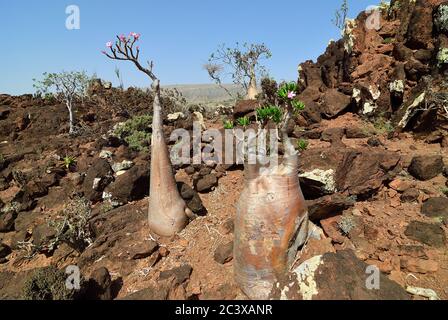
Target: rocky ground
373, 174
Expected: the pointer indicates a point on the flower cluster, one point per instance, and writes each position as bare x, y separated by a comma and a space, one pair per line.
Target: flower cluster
132, 36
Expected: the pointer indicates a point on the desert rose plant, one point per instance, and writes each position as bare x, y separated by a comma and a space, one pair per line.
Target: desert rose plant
272, 218
68, 87
168, 213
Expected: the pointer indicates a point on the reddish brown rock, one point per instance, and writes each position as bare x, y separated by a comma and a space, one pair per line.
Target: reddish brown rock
436, 207
401, 185
426, 167
335, 276
334, 103
427, 233
419, 265
224, 252
331, 229
244, 107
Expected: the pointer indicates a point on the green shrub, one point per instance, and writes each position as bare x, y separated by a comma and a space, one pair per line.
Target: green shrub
444, 190
302, 144
298, 105
228, 124
47, 284
136, 132
273, 113
383, 125
346, 224
388, 40
243, 121
69, 161
73, 228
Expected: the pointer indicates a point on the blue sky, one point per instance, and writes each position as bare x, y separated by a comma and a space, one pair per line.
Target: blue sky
178, 35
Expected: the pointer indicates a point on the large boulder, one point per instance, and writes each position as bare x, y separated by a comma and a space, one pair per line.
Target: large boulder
244, 107
334, 103
328, 206
99, 286
363, 173
426, 167
427, 233
436, 208
98, 176
336, 276
132, 185
114, 234
421, 25
357, 172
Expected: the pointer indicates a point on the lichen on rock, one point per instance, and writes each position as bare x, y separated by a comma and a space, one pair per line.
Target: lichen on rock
441, 18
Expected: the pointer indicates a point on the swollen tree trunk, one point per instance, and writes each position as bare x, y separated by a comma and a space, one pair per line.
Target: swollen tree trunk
252, 90
168, 213
271, 224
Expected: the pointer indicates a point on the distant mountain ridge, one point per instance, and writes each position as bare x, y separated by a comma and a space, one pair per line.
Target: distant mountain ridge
206, 93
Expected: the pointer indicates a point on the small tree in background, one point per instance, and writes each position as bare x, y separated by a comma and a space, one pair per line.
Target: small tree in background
242, 63
119, 77
68, 87
341, 16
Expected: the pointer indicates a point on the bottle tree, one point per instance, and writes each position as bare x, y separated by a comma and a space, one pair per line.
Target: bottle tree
168, 212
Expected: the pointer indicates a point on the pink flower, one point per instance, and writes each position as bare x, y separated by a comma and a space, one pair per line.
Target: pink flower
109, 44
291, 95
135, 35
122, 38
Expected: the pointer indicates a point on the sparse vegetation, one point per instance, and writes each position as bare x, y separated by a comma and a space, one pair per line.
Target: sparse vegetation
136, 132
243, 121
388, 40
71, 227
69, 87
346, 224
382, 125
47, 284
267, 113
444, 190
228, 124
69, 161
74, 228
302, 144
